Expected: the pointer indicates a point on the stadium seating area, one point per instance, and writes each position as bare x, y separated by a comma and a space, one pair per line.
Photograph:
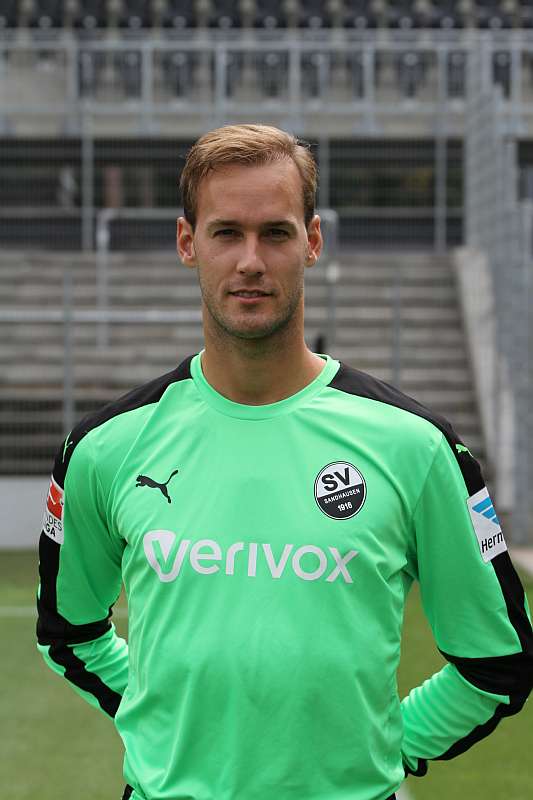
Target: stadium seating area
434, 359
133, 15
176, 21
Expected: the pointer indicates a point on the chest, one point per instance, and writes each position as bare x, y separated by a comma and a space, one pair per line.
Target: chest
273, 501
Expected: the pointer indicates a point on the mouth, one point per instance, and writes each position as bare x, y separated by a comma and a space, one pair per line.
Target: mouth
249, 296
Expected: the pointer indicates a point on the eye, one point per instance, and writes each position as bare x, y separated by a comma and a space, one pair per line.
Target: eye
225, 232
278, 233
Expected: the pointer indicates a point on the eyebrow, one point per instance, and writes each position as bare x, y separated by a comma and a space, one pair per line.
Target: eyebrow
232, 223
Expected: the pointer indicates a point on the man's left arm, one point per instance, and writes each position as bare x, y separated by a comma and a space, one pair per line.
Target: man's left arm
478, 612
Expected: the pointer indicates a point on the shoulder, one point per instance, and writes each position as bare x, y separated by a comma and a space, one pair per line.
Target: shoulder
408, 418
354, 382
117, 422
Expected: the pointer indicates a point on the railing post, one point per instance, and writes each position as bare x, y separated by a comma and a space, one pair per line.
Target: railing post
102, 273
295, 57
147, 80
440, 210
68, 354
87, 181
220, 56
324, 166
397, 327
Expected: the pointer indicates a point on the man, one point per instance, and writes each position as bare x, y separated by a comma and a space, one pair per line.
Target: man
268, 509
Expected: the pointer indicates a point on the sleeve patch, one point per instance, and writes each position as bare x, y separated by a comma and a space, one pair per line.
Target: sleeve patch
486, 525
53, 513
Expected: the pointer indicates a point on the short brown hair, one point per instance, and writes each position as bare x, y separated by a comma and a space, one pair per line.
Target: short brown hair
246, 144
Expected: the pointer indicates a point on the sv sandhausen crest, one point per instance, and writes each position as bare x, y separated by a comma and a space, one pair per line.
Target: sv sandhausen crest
340, 490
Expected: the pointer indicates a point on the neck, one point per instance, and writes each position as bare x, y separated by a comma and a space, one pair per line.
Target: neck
255, 372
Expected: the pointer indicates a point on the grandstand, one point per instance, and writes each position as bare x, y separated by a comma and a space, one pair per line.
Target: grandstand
102, 98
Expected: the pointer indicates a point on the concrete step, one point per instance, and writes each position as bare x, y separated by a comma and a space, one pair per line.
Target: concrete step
163, 295
176, 273
134, 372
422, 335
166, 292
363, 355
435, 367
365, 314
370, 334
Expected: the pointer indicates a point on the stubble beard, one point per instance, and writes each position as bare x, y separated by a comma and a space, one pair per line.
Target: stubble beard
221, 326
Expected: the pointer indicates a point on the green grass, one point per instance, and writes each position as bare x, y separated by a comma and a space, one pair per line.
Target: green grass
56, 747
499, 767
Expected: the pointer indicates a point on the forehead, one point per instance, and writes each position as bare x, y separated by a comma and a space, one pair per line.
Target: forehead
251, 193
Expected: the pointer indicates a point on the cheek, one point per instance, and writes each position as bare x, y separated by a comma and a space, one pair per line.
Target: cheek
212, 277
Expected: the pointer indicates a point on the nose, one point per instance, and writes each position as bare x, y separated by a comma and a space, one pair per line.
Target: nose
250, 260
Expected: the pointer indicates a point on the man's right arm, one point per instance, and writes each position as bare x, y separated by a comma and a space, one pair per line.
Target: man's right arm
80, 579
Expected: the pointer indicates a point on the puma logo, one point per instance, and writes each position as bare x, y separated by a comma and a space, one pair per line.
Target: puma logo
144, 480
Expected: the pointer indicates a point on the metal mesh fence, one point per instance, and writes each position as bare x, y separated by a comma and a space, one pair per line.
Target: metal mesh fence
499, 226
386, 192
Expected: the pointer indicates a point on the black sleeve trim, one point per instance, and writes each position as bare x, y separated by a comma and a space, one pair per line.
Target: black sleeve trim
54, 630
481, 731
420, 770
507, 675
513, 593
51, 625
77, 673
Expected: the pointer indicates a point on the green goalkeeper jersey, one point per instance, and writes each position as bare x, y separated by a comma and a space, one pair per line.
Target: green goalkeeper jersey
266, 553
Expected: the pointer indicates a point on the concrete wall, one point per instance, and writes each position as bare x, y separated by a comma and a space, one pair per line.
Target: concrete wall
490, 369
22, 502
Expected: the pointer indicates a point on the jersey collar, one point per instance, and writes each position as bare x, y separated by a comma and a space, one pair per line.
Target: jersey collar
226, 406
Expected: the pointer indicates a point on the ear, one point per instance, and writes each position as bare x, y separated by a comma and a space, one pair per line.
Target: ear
314, 241
185, 242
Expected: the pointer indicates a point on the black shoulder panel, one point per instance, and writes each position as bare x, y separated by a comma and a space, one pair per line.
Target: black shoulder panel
353, 381
140, 396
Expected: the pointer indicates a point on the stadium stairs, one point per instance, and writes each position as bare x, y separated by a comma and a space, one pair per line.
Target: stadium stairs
434, 360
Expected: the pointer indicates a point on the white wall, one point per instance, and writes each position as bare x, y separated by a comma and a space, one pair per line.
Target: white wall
22, 502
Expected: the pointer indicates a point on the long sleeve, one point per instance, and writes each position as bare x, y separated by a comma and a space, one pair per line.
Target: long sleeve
477, 610
80, 580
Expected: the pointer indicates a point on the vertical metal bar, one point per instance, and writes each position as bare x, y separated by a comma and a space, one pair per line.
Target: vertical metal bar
325, 171
439, 232
440, 194
71, 55
102, 275
516, 86
332, 277
5, 52
295, 104
87, 182
332, 272
68, 354
486, 55
147, 56
397, 326
220, 56
369, 59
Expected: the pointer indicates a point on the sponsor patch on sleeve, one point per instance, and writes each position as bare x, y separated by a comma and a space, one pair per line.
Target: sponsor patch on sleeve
486, 525
53, 513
